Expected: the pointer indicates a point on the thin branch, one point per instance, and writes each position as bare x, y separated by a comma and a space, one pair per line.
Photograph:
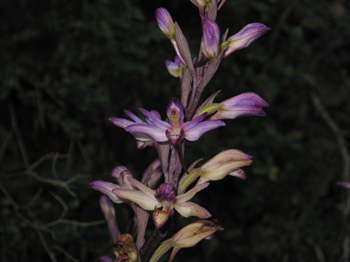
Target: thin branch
342, 146
69, 256
318, 251
32, 201
6, 144
18, 134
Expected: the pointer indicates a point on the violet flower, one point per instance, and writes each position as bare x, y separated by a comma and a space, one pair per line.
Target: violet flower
176, 130
243, 38
246, 104
211, 38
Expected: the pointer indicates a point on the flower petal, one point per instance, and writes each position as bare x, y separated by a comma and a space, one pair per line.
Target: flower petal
107, 189
133, 116
190, 193
188, 209
196, 132
190, 124
155, 120
146, 190
238, 173
149, 130
137, 197
120, 122
175, 112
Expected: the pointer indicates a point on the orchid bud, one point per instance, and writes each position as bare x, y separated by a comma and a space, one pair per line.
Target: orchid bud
246, 104
165, 22
191, 234
243, 38
188, 236
174, 68
224, 163
211, 38
125, 249
109, 213
123, 175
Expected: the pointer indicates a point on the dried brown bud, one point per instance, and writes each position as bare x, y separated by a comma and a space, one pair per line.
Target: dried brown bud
125, 249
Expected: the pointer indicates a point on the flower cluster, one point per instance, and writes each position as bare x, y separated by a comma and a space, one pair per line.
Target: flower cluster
167, 187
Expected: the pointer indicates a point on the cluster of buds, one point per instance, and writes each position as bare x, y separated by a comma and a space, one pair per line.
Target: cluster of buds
168, 186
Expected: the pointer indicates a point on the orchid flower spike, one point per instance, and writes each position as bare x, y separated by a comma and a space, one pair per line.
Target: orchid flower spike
188, 236
246, 104
176, 130
243, 38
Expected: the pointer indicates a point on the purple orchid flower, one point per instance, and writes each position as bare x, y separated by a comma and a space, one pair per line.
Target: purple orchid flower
164, 197
246, 104
176, 130
245, 37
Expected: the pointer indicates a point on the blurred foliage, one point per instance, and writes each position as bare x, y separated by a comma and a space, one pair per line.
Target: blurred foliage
66, 66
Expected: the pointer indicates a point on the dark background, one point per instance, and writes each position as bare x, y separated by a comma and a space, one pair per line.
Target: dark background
66, 66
